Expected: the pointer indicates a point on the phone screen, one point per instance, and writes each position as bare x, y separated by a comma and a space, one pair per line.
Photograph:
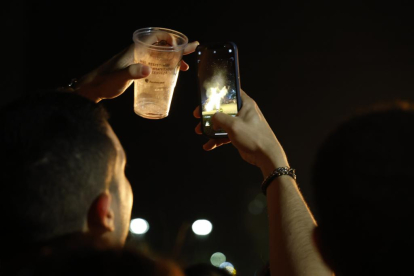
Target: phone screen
219, 83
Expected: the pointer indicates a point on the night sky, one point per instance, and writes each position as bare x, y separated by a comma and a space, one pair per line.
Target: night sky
309, 65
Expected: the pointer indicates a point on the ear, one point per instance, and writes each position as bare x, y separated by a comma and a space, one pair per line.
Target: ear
101, 216
317, 241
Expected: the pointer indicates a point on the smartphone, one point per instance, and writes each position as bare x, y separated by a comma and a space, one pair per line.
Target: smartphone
218, 83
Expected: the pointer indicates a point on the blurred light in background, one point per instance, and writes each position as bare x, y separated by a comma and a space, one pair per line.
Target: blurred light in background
257, 205
202, 227
217, 259
229, 267
139, 226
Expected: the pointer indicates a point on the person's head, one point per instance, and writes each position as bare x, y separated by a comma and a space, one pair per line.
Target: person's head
62, 171
363, 184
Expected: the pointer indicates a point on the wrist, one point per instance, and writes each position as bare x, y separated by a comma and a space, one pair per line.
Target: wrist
278, 172
88, 93
274, 159
84, 88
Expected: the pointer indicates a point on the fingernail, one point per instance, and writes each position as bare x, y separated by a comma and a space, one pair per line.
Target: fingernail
145, 70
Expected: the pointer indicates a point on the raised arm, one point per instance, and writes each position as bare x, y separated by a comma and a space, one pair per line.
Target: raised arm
113, 77
292, 250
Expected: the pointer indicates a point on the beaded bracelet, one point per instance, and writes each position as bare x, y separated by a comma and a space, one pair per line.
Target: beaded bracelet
277, 172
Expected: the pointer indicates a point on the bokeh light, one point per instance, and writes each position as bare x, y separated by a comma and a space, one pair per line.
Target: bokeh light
202, 227
139, 226
229, 267
257, 205
217, 259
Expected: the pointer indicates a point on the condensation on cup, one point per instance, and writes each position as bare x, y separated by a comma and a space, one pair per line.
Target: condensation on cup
161, 49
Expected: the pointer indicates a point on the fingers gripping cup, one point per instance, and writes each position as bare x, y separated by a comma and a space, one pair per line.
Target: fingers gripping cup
162, 50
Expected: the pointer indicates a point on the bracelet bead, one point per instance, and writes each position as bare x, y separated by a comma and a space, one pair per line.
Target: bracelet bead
276, 173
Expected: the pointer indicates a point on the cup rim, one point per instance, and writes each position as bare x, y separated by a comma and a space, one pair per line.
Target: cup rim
160, 48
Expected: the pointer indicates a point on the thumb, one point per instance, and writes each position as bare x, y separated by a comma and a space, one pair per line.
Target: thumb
132, 72
222, 121
135, 71
117, 82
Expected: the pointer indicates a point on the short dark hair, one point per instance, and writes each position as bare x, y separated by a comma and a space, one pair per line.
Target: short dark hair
54, 151
363, 184
94, 261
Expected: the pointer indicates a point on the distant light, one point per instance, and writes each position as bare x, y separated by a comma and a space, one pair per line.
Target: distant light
199, 52
214, 52
258, 204
217, 259
230, 51
261, 197
202, 227
256, 207
226, 264
229, 267
139, 226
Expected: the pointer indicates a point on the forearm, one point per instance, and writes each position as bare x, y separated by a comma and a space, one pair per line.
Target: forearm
292, 250
291, 223
110, 79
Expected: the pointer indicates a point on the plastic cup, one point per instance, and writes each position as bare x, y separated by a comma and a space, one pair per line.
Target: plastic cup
162, 49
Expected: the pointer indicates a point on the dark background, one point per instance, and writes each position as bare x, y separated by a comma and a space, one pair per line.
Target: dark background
308, 65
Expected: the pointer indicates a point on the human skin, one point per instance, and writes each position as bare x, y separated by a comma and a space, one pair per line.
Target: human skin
113, 77
291, 223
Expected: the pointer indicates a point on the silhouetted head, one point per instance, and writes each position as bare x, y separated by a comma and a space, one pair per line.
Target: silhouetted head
363, 183
62, 171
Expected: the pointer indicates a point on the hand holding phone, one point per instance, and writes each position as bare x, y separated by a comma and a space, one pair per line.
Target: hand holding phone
218, 83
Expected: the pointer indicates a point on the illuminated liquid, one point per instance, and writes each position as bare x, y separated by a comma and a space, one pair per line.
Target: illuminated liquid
153, 98
153, 94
